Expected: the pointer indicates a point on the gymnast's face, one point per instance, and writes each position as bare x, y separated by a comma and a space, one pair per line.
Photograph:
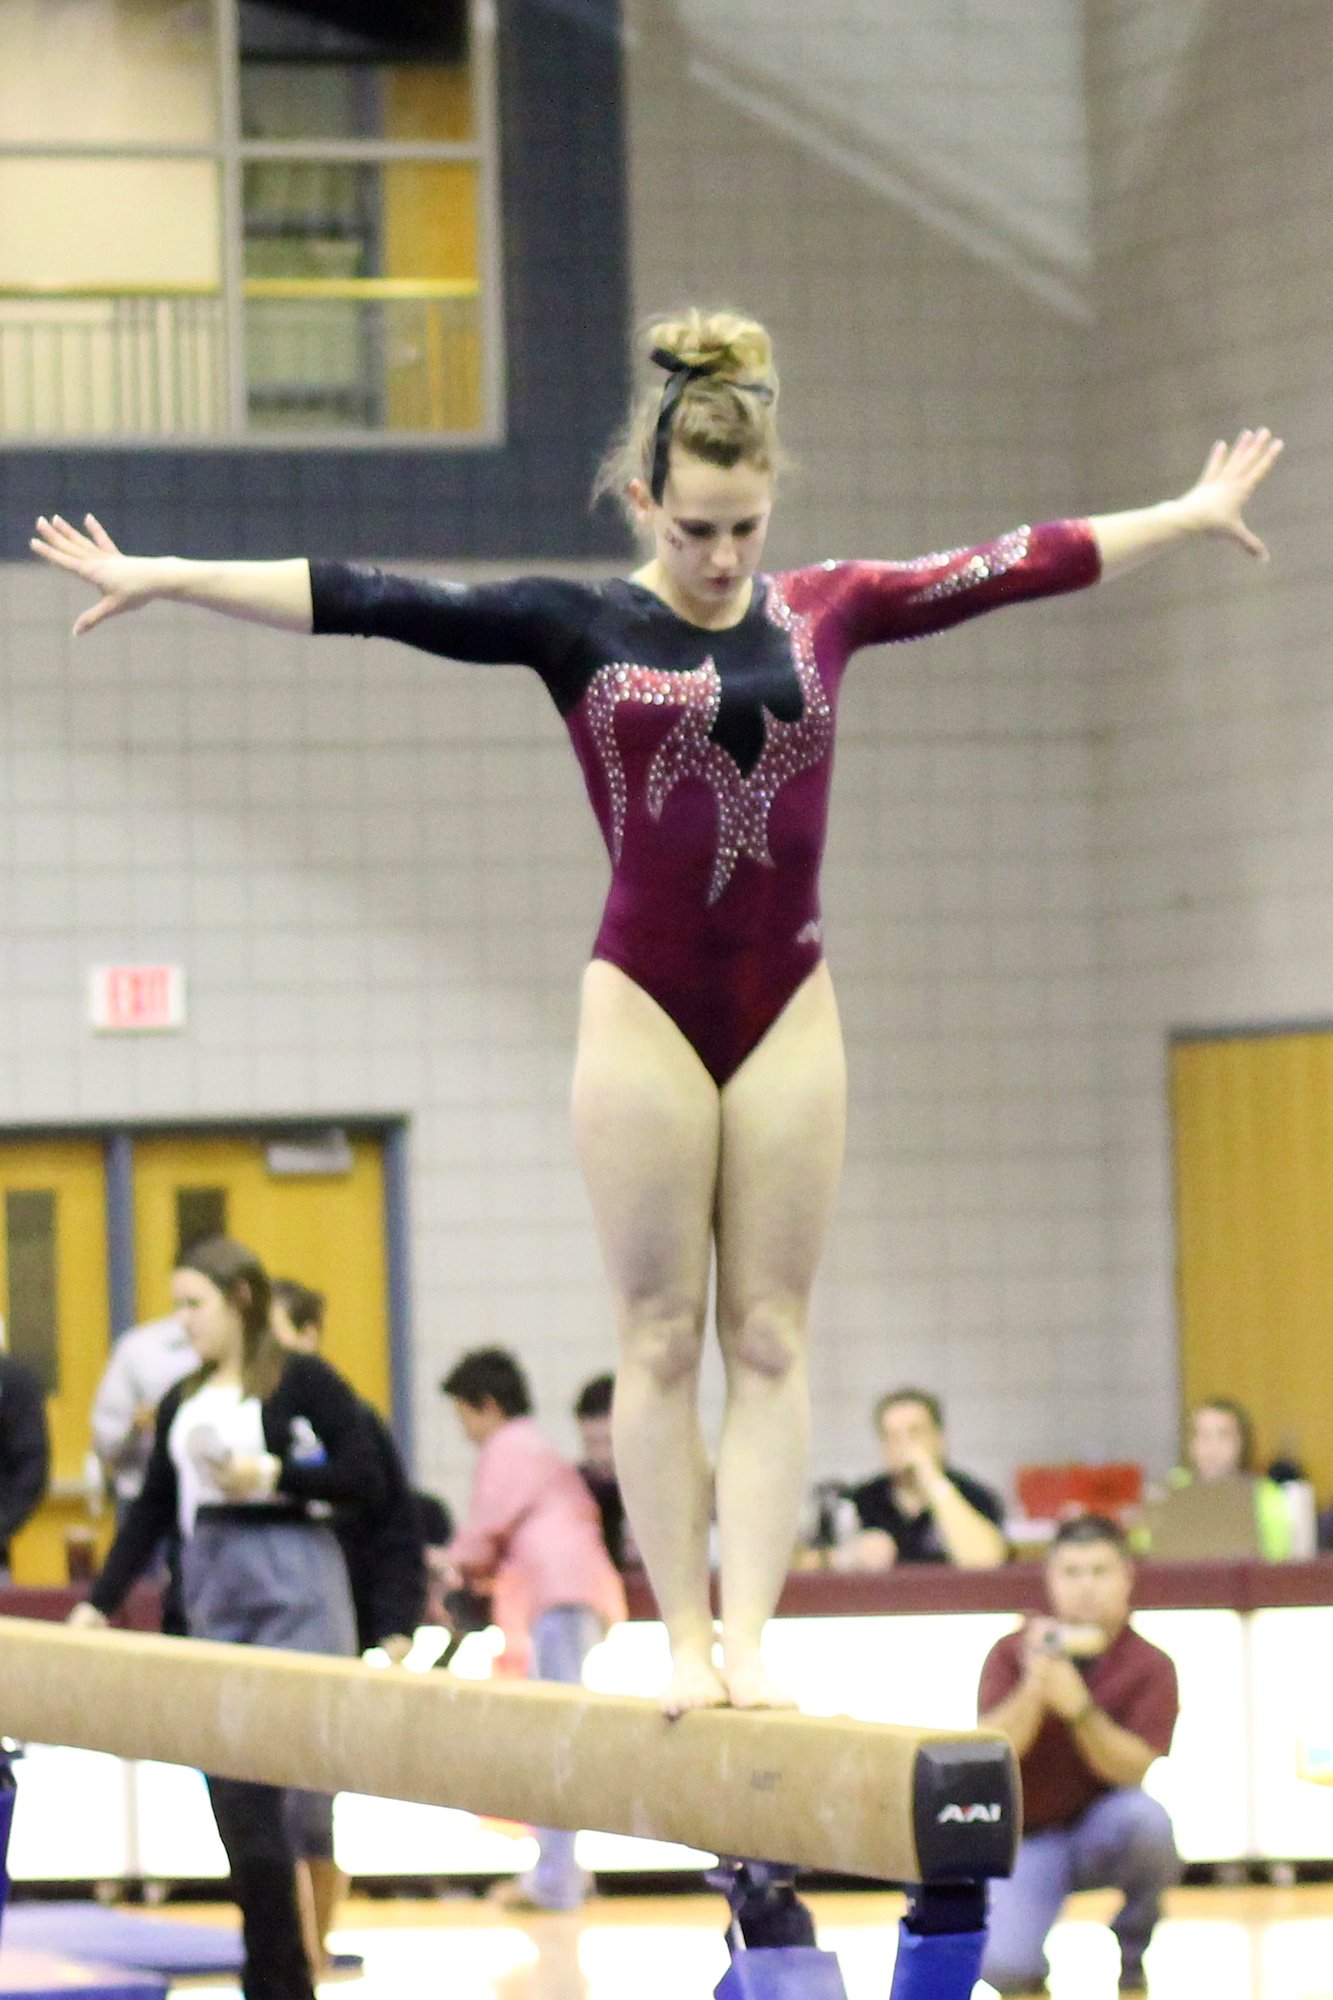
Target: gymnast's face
708, 535
1088, 1583
212, 1323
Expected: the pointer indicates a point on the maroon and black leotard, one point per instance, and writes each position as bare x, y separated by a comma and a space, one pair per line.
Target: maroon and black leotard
707, 755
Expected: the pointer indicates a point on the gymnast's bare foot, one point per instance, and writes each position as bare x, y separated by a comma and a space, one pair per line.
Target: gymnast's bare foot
695, 1683
750, 1685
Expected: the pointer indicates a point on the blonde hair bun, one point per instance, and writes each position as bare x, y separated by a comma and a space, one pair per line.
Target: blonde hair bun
726, 343
715, 416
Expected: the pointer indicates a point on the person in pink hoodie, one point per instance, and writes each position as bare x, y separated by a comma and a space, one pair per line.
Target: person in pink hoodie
533, 1536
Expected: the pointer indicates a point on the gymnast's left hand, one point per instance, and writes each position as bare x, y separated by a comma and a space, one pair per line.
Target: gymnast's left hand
87, 1617
1215, 503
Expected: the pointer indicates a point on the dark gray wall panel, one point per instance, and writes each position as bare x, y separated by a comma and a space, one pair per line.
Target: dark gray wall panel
567, 338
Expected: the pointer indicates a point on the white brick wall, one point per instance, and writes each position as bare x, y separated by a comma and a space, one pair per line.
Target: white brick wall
1213, 679
1056, 834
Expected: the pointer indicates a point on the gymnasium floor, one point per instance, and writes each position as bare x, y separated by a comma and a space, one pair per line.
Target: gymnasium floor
1216, 1944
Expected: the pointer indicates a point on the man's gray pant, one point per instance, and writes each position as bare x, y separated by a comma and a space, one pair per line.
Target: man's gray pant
1123, 1841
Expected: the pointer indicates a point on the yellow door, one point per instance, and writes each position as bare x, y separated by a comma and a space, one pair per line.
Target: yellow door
53, 1283
1253, 1135
325, 1229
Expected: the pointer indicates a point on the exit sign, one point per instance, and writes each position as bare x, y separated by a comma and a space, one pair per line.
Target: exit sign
136, 999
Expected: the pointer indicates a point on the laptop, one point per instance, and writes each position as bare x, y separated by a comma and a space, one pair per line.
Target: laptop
1207, 1518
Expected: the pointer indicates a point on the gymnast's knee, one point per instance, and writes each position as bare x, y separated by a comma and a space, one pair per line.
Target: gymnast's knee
664, 1343
768, 1341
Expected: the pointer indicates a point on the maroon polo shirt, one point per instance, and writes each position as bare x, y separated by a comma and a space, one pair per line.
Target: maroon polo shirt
1132, 1681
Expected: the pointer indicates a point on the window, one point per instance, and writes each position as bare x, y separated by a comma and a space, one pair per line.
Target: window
30, 1254
225, 218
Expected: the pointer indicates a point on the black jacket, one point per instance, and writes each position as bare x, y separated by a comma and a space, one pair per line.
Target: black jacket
350, 1473
25, 1449
383, 1548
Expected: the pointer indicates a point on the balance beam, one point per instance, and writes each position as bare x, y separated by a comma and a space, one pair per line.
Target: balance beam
855, 1798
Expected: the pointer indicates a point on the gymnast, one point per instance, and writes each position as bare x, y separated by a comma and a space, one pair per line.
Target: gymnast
709, 1085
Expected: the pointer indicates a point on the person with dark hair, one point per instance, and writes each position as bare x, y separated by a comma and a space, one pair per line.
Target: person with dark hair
710, 1086
593, 1405
25, 1453
592, 1414
1089, 1706
384, 1553
383, 1545
488, 1376
532, 1535
921, 1509
248, 1453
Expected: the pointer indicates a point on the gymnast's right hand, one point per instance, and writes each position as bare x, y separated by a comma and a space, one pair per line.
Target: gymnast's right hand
88, 1617
123, 582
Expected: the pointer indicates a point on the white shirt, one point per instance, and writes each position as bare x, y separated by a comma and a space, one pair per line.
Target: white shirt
145, 1362
211, 1427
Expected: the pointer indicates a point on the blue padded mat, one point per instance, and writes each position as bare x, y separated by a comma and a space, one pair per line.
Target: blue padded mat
35, 1975
127, 1939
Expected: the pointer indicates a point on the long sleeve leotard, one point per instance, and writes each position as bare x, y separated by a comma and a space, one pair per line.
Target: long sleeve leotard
707, 755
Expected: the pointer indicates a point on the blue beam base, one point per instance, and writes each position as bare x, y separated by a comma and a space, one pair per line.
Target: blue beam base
783, 1972
936, 1966
7, 1791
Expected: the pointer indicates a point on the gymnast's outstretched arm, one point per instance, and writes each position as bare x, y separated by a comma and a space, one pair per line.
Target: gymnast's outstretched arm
526, 621
266, 593
1214, 505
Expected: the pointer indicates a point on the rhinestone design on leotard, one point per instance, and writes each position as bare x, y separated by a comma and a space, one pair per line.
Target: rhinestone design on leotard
1002, 555
688, 751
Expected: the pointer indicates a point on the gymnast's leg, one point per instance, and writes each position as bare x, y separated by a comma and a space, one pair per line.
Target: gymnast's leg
647, 1120
784, 1116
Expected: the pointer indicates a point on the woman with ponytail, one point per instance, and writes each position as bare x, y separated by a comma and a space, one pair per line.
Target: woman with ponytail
247, 1454
709, 1087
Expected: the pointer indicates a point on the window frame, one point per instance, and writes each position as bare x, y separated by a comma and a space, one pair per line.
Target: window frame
230, 153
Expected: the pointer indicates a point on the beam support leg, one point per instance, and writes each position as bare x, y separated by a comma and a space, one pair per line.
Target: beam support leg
8, 1789
940, 1942
772, 1938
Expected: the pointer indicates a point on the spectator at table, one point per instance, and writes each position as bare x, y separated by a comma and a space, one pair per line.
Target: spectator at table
921, 1509
1089, 1705
1220, 1445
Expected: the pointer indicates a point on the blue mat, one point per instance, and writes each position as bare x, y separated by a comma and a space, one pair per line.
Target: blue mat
126, 1939
40, 1975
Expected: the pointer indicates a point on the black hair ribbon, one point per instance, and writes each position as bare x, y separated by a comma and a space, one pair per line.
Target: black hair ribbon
679, 376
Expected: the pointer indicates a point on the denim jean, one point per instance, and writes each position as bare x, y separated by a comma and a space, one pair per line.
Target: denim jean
562, 1639
1123, 1841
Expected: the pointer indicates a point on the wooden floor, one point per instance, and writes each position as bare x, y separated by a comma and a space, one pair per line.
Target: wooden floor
1215, 1944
